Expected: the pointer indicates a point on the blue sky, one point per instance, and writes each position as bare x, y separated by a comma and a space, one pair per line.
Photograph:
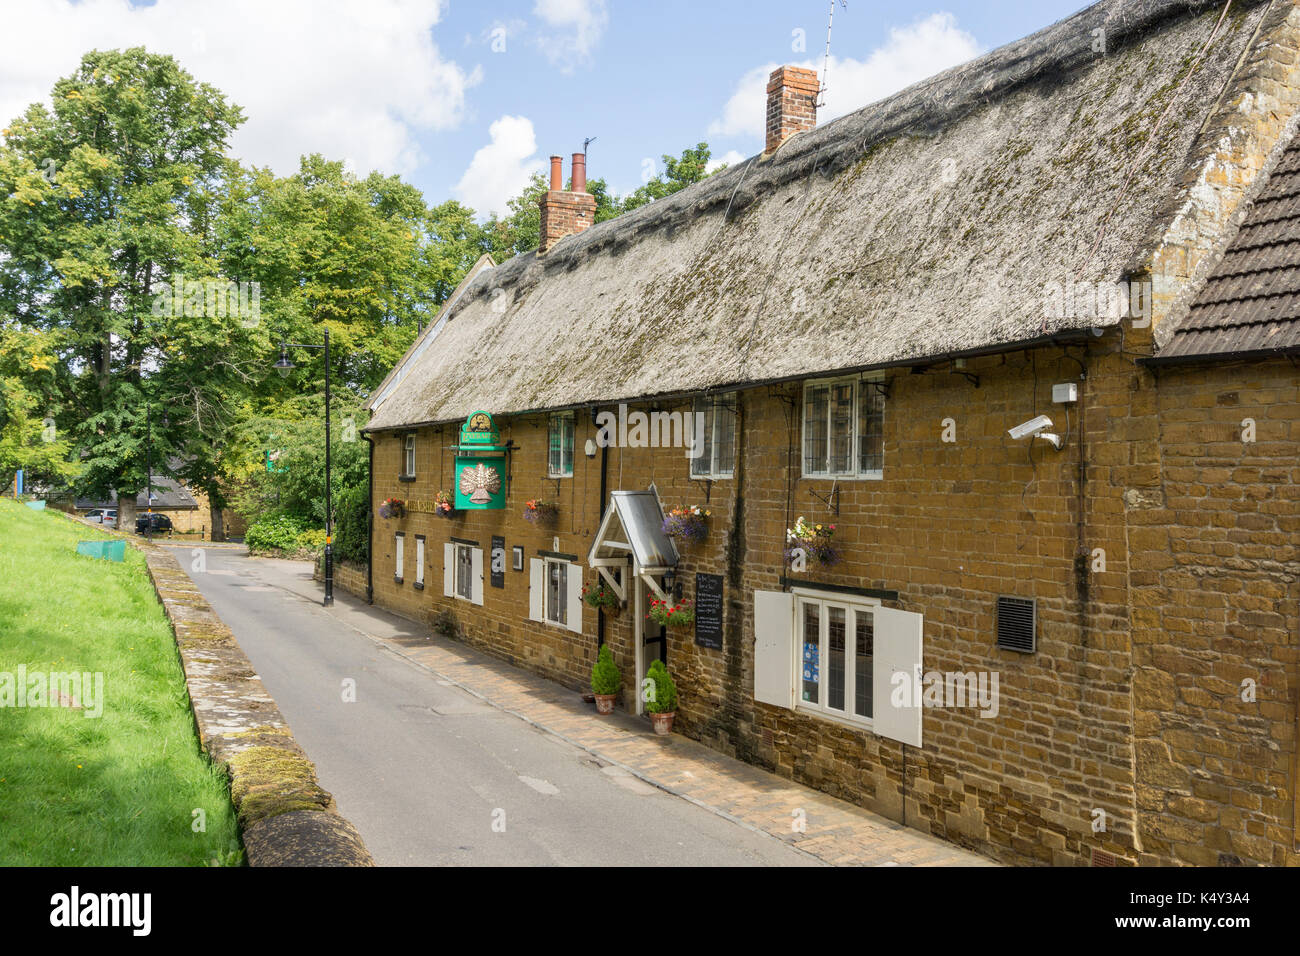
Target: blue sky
465, 99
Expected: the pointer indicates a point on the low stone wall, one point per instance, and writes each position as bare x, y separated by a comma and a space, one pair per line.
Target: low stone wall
348, 576
286, 818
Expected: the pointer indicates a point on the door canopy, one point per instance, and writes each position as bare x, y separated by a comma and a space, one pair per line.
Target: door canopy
632, 536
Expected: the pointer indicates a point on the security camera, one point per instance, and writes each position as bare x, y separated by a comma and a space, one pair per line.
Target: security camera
1031, 428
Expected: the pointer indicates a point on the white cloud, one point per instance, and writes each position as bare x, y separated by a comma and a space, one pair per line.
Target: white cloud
729, 158
578, 25
329, 76
502, 168
912, 53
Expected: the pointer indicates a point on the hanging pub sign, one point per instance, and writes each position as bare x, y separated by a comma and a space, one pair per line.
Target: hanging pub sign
480, 465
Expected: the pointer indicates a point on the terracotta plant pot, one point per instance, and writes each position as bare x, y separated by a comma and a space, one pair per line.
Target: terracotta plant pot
605, 703
663, 723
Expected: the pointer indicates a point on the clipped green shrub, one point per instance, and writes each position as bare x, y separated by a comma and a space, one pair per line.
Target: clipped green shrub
664, 698
283, 534
351, 523
605, 676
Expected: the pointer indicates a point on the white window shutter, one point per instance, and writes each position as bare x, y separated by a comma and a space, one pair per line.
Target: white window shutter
399, 546
419, 560
476, 575
898, 650
449, 569
774, 648
574, 622
536, 581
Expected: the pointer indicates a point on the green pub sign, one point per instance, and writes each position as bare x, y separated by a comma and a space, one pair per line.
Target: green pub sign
480, 465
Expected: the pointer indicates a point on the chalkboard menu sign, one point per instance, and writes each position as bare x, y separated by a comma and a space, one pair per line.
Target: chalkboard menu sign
498, 567
708, 610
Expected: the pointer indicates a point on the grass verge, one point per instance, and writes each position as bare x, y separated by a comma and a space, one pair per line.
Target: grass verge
130, 786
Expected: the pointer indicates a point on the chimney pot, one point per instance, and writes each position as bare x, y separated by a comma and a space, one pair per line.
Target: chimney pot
791, 103
557, 172
579, 172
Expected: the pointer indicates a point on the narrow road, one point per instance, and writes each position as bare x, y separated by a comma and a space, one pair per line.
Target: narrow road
430, 774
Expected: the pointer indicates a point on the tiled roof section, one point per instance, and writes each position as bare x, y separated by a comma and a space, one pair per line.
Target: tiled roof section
1251, 302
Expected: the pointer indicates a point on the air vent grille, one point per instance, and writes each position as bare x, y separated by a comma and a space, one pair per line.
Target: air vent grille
1017, 624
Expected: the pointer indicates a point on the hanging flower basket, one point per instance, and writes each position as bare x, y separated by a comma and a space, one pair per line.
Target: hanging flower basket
444, 505
671, 615
811, 542
392, 508
689, 524
601, 595
541, 512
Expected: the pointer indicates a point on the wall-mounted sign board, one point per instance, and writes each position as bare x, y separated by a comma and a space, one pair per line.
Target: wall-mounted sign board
708, 610
480, 465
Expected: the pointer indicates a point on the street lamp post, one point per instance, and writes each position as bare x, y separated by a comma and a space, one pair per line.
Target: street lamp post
284, 367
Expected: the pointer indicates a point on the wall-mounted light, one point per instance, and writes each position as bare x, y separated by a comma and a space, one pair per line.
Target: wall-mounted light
590, 448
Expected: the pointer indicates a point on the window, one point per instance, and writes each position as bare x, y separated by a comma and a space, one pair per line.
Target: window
559, 459
554, 606
410, 456
717, 416
837, 658
399, 547
419, 562
843, 429
462, 571
555, 591
832, 655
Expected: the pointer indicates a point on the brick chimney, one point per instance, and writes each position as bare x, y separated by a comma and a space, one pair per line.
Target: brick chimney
791, 104
565, 212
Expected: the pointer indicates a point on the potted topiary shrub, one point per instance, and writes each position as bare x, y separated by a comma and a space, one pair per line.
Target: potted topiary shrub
606, 681
662, 705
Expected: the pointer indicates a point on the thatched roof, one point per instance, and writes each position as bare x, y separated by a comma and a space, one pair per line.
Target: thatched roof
920, 226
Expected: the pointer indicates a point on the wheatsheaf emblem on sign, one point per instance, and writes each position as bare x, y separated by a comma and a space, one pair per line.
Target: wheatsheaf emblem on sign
480, 482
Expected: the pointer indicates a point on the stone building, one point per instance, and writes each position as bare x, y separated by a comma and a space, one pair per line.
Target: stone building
1070, 641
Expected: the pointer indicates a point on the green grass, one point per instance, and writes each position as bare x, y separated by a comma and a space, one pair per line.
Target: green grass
120, 789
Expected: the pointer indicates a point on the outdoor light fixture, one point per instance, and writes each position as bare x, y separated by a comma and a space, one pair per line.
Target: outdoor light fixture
590, 448
284, 366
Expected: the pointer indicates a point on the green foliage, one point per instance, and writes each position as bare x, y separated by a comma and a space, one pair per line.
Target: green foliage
664, 698
281, 533
605, 675
30, 439
351, 528
296, 430
679, 173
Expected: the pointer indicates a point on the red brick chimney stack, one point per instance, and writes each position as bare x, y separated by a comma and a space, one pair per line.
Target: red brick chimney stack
791, 104
565, 212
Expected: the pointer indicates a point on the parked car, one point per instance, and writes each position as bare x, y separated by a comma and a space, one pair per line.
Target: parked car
159, 523
105, 516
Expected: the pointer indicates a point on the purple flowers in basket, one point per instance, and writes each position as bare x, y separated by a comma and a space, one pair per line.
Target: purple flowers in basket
688, 524
806, 540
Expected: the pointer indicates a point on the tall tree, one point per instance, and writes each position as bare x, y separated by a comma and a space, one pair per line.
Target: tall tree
99, 202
